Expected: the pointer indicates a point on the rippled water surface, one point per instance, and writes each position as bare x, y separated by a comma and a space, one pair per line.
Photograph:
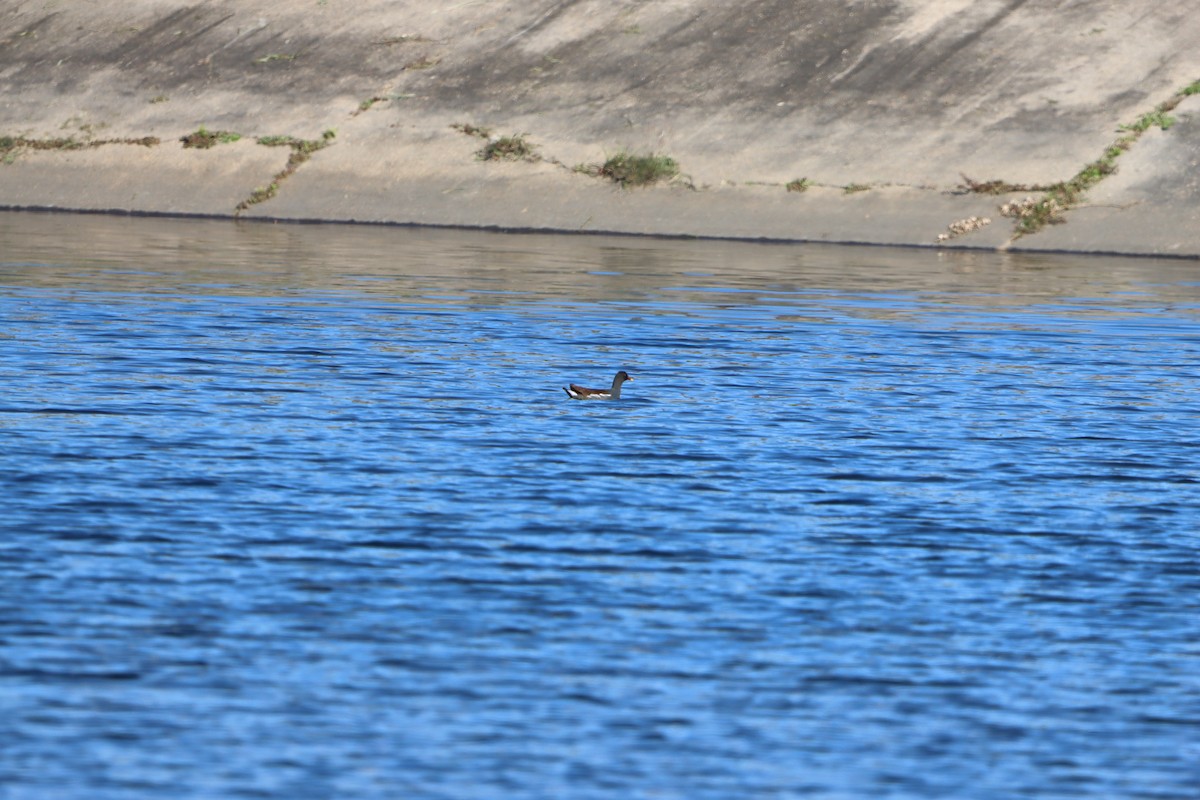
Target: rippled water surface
303, 512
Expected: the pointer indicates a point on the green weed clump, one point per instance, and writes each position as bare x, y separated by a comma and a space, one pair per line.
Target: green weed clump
628, 169
515, 147
204, 139
798, 185
1159, 118
508, 148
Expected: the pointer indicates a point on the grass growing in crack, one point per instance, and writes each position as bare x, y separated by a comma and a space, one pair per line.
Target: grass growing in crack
798, 185
1158, 118
12, 143
499, 148
472, 130
996, 186
12, 146
855, 188
369, 103
204, 139
508, 148
302, 150
1032, 214
305, 146
629, 169
259, 195
276, 141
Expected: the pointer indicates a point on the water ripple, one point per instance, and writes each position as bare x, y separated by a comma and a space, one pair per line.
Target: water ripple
868, 523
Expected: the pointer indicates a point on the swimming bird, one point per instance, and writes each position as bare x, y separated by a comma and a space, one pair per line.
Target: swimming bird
578, 392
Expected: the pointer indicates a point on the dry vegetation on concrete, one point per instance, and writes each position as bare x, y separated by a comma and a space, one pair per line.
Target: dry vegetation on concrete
508, 148
203, 139
13, 146
631, 169
514, 147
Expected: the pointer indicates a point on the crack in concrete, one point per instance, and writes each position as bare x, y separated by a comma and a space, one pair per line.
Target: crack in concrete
11, 146
302, 151
1034, 214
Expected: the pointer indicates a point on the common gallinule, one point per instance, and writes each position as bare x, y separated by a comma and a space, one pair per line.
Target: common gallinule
578, 392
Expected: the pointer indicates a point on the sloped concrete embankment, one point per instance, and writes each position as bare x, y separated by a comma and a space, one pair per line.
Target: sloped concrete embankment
884, 121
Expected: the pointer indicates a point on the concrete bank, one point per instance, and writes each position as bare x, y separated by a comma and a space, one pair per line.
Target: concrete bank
878, 121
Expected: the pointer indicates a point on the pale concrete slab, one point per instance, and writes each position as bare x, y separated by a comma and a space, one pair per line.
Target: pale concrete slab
166, 179
903, 95
457, 189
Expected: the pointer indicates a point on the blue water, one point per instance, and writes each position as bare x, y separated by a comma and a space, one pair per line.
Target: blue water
303, 512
